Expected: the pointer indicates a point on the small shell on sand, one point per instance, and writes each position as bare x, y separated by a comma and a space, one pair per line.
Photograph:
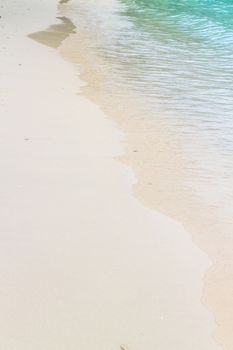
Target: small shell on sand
123, 347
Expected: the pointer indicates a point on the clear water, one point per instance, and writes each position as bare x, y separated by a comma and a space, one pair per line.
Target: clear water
187, 47
177, 58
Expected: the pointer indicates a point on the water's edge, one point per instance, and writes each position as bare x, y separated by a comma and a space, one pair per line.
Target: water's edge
144, 159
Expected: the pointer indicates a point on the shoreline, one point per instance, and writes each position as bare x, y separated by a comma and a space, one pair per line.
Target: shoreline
157, 157
83, 263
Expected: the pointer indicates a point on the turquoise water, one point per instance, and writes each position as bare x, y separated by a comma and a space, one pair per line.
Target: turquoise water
187, 47
176, 58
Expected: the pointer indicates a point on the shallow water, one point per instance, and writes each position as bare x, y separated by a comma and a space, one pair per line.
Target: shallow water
175, 60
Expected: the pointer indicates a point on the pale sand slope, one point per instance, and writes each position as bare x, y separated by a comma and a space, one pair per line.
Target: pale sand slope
83, 265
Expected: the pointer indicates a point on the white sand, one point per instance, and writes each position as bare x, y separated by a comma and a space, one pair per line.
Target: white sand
83, 265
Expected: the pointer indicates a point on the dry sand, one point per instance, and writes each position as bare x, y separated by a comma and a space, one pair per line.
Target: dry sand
83, 264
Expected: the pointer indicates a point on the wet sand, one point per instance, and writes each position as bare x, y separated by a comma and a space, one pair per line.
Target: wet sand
83, 264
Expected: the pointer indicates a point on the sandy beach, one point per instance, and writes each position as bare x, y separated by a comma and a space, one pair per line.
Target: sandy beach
83, 263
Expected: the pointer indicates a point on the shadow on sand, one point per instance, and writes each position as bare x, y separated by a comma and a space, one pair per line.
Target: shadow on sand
56, 33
